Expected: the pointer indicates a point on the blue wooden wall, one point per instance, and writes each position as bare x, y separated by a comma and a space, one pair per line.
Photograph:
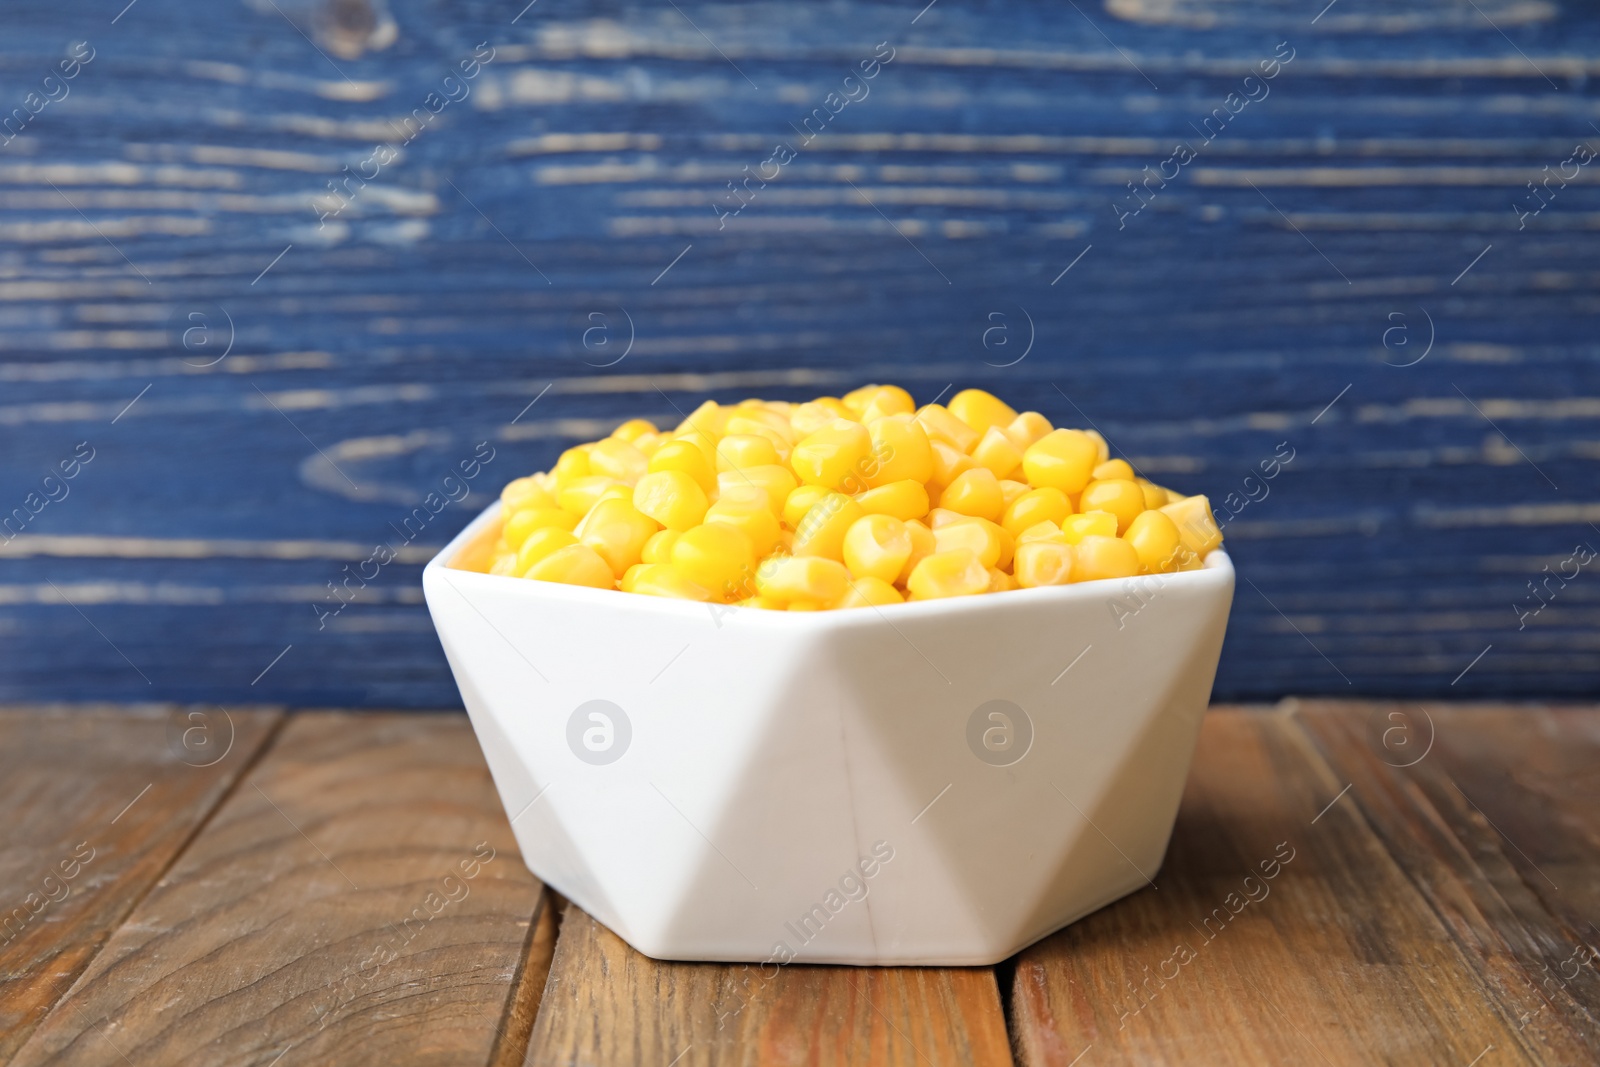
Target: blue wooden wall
1352, 267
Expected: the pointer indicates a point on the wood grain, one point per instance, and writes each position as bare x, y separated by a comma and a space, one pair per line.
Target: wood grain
606, 1003
97, 803
1337, 959
358, 899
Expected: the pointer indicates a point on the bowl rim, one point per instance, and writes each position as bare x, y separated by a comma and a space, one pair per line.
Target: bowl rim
1216, 573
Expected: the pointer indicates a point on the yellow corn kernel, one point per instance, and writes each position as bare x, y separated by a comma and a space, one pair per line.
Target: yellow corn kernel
982, 538
1027, 428
750, 514
539, 544
1041, 531
877, 546
802, 578
997, 452
521, 493
765, 602
1124, 499
769, 424
659, 548
505, 563
888, 400
1197, 527
1098, 557
821, 532
900, 451
708, 419
946, 574
923, 545
616, 458
981, 410
1154, 495
649, 442
869, 592
630, 576
716, 556
520, 525
634, 429
671, 497
739, 450
856, 400
666, 580
806, 419
687, 456
1010, 490
771, 478
574, 565
1101, 449
572, 465
1035, 506
904, 500
834, 455
975, 492
1061, 459
1043, 563
1115, 469
1154, 537
800, 500
1000, 581
618, 531
581, 494
941, 516
941, 425
948, 465
1089, 524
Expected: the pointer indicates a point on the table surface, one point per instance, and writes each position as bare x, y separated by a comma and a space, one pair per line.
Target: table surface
1277, 297
1347, 883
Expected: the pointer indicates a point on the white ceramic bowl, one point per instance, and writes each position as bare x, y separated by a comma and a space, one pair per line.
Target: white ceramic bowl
941, 782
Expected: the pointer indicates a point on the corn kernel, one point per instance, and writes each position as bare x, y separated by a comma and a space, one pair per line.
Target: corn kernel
941, 425
634, 429
649, 442
903, 500
1061, 459
520, 525
574, 565
1000, 581
1113, 469
505, 563
923, 545
687, 456
618, 459
1043, 563
821, 532
1101, 449
877, 546
665, 580
833, 455
765, 602
807, 605
1103, 557
948, 465
739, 450
975, 492
981, 410
1088, 524
982, 538
753, 517
1197, 528
869, 592
1027, 428
1010, 490
803, 578
762, 422
1124, 499
716, 556
1035, 506
772, 479
888, 400
900, 451
539, 544
941, 516
521, 493
671, 497
946, 574
806, 419
800, 500
1041, 531
1154, 537
618, 531
582, 493
572, 465
997, 452
659, 548
708, 419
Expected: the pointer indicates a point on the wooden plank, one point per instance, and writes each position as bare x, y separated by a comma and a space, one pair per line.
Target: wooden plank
1492, 815
97, 803
606, 1003
358, 899
1281, 930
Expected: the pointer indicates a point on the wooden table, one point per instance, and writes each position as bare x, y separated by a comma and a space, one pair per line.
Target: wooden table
1347, 883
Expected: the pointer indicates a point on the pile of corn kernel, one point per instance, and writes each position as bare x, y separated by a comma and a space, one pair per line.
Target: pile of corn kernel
842, 502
